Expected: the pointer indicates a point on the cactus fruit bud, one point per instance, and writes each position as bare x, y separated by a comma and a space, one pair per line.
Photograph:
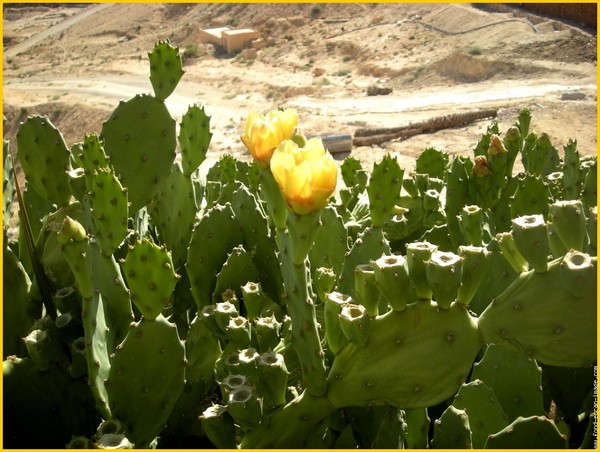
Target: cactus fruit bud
113, 441
475, 262
471, 224
111, 426
224, 312
531, 238
272, 379
578, 271
334, 336
80, 442
238, 330
444, 273
324, 282
232, 381
355, 322
254, 299
247, 362
219, 427
266, 332
417, 253
71, 229
41, 349
366, 290
392, 279
245, 407
568, 220
509, 250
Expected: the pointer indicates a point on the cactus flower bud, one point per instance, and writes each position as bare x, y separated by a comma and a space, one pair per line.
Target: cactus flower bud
306, 176
481, 168
262, 134
496, 146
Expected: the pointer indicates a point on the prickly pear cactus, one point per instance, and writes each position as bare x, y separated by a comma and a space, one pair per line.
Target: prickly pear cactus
448, 305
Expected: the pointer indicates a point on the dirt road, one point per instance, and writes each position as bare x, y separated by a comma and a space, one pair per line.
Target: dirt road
80, 67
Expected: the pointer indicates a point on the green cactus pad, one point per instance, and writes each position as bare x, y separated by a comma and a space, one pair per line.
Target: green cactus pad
139, 138
331, 242
146, 378
452, 430
213, 238
568, 219
45, 159
110, 210
15, 293
202, 350
571, 171
397, 345
219, 427
258, 240
530, 197
237, 270
550, 316
484, 411
384, 188
173, 211
515, 379
194, 138
416, 435
165, 69
532, 432
91, 156
433, 163
148, 269
371, 244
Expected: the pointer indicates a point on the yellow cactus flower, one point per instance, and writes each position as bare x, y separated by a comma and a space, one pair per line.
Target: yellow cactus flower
306, 176
263, 133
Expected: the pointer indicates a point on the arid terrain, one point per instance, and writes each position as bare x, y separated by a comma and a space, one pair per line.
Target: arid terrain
75, 62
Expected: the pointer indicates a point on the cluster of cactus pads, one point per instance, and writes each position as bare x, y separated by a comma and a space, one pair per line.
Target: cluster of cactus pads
453, 306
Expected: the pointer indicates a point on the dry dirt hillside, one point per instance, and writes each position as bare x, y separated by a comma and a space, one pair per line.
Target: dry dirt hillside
74, 62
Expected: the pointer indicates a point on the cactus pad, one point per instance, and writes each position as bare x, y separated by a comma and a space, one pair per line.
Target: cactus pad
44, 157
165, 69
139, 138
146, 378
397, 342
194, 138
150, 277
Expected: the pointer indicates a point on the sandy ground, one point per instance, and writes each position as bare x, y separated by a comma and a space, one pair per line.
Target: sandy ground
74, 63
